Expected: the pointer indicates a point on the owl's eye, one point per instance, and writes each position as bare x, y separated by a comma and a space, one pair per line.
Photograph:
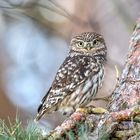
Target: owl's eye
96, 42
80, 44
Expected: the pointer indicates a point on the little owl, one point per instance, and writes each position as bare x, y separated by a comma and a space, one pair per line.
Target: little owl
78, 78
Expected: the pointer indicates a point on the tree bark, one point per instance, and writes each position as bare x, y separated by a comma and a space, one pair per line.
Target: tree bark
123, 107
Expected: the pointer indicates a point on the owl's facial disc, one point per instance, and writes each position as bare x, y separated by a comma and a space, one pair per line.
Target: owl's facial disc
88, 43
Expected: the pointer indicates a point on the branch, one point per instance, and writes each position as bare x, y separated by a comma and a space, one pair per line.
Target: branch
124, 103
127, 92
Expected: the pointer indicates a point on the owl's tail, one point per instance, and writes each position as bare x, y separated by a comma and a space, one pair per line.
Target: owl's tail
39, 116
41, 112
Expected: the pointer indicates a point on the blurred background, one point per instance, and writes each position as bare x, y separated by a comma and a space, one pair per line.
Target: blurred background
34, 41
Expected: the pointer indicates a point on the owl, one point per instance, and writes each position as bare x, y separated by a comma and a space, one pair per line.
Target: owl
79, 77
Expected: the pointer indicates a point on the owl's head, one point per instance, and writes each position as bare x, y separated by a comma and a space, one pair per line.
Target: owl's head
89, 43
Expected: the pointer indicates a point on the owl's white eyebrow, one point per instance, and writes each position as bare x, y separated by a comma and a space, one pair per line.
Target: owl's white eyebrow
77, 40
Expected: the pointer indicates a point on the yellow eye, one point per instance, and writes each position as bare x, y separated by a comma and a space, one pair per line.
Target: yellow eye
80, 44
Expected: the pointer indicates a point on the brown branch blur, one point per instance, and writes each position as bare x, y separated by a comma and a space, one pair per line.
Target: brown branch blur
56, 8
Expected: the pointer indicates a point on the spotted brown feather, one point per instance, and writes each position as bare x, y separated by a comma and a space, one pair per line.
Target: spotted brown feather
77, 80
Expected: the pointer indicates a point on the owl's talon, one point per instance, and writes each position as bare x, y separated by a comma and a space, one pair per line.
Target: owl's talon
92, 110
98, 110
82, 110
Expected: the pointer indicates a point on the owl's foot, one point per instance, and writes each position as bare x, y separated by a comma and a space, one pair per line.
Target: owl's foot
82, 110
92, 110
66, 111
97, 110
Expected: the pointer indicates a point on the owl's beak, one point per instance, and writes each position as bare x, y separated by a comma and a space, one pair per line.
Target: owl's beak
88, 47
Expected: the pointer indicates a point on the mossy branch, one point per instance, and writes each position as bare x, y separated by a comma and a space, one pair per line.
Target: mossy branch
124, 104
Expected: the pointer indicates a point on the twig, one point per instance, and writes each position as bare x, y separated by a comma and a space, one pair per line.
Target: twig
117, 73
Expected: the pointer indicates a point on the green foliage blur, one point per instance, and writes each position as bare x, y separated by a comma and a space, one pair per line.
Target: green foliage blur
16, 131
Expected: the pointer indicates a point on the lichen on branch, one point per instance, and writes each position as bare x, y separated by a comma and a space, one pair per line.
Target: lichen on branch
124, 104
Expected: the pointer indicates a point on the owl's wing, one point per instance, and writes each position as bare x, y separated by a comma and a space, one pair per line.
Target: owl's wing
74, 71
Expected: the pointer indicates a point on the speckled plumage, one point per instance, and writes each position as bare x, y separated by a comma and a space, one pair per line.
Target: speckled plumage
79, 77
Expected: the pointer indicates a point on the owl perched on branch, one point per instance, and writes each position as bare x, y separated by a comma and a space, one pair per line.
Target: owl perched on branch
79, 77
